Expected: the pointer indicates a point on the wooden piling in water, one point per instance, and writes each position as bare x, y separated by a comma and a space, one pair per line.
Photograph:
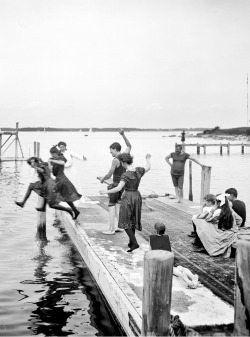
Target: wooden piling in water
157, 291
205, 181
228, 148
198, 148
190, 196
41, 216
242, 297
242, 148
204, 147
16, 142
221, 149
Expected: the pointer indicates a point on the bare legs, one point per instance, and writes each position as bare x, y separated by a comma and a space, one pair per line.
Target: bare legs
26, 197
178, 193
133, 244
112, 213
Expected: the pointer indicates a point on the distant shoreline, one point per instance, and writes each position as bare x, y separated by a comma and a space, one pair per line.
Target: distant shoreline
49, 129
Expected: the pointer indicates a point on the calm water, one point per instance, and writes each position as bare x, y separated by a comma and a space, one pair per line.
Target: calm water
45, 287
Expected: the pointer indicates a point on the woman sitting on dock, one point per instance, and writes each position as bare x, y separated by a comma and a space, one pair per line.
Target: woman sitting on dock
63, 186
219, 230
131, 202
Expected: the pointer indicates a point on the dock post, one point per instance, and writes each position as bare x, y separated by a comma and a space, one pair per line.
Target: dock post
157, 291
38, 149
242, 148
221, 149
34, 149
205, 181
41, 216
228, 148
204, 146
16, 142
190, 197
198, 148
242, 298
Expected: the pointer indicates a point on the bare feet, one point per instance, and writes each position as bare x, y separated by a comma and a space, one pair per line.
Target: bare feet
119, 230
109, 232
41, 209
20, 204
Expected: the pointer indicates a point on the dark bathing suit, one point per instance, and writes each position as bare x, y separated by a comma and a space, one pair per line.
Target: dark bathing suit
114, 198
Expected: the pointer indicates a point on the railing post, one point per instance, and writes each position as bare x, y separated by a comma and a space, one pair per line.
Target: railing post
242, 298
204, 146
228, 148
221, 149
190, 197
157, 291
205, 181
38, 149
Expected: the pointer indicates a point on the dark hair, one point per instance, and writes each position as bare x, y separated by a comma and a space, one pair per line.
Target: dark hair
125, 158
62, 143
160, 228
180, 146
36, 160
54, 150
232, 191
225, 217
116, 146
210, 197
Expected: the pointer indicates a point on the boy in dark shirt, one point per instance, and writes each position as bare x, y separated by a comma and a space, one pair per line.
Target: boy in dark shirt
238, 206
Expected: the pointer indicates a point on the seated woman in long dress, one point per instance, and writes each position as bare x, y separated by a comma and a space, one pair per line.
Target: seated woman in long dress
69, 167
219, 230
131, 202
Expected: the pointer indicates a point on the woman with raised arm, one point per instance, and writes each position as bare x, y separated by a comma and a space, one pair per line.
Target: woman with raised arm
131, 202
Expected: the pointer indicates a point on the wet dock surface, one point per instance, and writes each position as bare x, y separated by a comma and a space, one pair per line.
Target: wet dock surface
216, 273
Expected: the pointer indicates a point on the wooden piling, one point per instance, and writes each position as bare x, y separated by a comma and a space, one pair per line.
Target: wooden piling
204, 147
228, 148
242, 298
157, 291
190, 196
38, 149
205, 181
221, 149
242, 148
35, 149
198, 148
41, 216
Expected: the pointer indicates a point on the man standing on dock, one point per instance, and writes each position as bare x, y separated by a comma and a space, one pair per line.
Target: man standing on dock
179, 158
116, 170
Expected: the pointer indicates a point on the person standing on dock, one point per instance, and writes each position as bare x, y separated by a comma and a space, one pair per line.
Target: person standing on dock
179, 158
131, 202
69, 167
116, 170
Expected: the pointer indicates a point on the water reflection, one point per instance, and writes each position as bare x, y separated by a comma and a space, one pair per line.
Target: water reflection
53, 311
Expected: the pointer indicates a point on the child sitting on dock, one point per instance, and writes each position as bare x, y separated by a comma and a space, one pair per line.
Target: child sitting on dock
205, 208
162, 242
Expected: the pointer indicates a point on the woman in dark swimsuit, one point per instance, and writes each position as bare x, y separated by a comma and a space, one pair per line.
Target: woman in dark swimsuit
63, 187
131, 202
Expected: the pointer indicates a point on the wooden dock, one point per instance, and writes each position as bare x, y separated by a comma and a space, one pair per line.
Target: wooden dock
120, 274
220, 145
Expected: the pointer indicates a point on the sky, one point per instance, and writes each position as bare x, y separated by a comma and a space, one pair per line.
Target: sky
124, 63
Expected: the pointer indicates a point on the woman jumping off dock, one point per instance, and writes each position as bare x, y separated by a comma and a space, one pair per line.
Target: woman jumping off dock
131, 202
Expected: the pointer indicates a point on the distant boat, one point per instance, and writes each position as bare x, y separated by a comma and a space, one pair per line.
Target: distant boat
90, 130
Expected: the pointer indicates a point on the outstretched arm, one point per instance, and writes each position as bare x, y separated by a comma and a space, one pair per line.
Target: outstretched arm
148, 165
115, 162
167, 160
128, 149
77, 156
115, 189
196, 161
